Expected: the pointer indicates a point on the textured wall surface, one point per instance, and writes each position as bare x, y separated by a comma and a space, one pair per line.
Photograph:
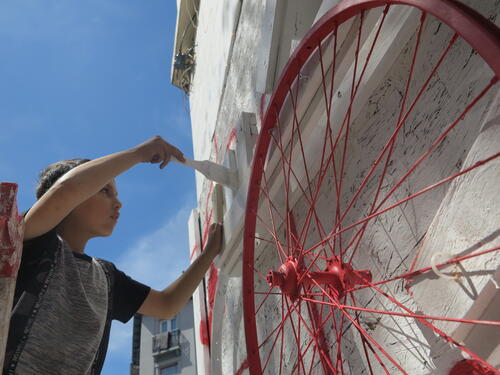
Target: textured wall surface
391, 242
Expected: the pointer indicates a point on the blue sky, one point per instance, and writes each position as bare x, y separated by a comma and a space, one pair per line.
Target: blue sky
85, 79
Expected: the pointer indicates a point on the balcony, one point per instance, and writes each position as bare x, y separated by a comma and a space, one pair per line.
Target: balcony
167, 344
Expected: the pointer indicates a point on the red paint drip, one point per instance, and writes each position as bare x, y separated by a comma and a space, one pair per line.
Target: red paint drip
216, 148
204, 333
209, 195
242, 368
208, 217
193, 251
11, 231
208, 220
212, 289
232, 137
470, 367
208, 200
212, 285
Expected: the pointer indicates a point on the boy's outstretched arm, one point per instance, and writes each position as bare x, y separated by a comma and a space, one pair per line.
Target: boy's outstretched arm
87, 179
167, 303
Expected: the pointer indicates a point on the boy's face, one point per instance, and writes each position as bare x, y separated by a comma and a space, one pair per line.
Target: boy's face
98, 215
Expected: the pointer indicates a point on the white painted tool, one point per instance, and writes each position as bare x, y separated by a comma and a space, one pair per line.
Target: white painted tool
213, 171
218, 204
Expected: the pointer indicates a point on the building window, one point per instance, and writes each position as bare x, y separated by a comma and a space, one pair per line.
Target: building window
164, 326
169, 370
168, 325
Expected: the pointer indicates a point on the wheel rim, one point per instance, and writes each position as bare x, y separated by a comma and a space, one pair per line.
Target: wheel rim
304, 284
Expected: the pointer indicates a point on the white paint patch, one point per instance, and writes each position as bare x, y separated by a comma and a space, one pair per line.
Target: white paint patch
213, 40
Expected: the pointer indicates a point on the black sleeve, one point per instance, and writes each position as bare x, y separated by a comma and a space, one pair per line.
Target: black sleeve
36, 259
33, 248
128, 296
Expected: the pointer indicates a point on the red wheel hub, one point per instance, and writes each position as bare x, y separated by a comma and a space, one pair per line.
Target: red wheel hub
338, 277
286, 278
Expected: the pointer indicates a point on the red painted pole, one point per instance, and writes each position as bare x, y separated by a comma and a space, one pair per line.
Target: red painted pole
11, 241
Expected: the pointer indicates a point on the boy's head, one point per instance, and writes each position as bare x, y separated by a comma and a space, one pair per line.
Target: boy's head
55, 171
95, 217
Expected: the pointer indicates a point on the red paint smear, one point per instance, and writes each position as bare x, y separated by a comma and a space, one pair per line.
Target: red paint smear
208, 214
11, 231
212, 289
212, 285
208, 220
208, 217
231, 139
209, 195
242, 368
9, 269
207, 228
470, 367
204, 333
216, 148
193, 251
213, 275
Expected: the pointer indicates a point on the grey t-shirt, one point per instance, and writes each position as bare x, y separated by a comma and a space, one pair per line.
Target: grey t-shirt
70, 319
60, 322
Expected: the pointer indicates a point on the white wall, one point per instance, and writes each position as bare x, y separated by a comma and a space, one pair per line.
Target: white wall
231, 43
216, 28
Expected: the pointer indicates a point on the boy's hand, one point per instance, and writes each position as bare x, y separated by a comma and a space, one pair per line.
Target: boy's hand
157, 150
214, 242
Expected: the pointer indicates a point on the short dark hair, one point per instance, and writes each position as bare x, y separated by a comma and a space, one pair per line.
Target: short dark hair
55, 171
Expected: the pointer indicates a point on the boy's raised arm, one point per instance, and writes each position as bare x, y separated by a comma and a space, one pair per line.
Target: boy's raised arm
87, 179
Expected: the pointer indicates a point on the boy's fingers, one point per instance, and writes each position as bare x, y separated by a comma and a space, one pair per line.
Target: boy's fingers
177, 153
155, 159
179, 156
216, 227
166, 159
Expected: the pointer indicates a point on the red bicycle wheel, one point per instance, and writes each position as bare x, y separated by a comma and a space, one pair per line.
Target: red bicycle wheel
371, 161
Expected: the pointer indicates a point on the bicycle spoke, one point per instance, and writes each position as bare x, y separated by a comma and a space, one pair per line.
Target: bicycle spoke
354, 164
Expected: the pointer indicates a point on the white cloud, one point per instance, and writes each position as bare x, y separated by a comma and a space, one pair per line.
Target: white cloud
159, 257
156, 259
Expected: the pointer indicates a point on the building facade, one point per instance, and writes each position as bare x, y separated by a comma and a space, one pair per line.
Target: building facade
300, 100
164, 346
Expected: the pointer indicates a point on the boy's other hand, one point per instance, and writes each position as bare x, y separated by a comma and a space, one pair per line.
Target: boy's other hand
214, 242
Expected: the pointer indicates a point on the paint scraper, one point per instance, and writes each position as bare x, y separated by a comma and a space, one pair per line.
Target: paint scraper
213, 171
